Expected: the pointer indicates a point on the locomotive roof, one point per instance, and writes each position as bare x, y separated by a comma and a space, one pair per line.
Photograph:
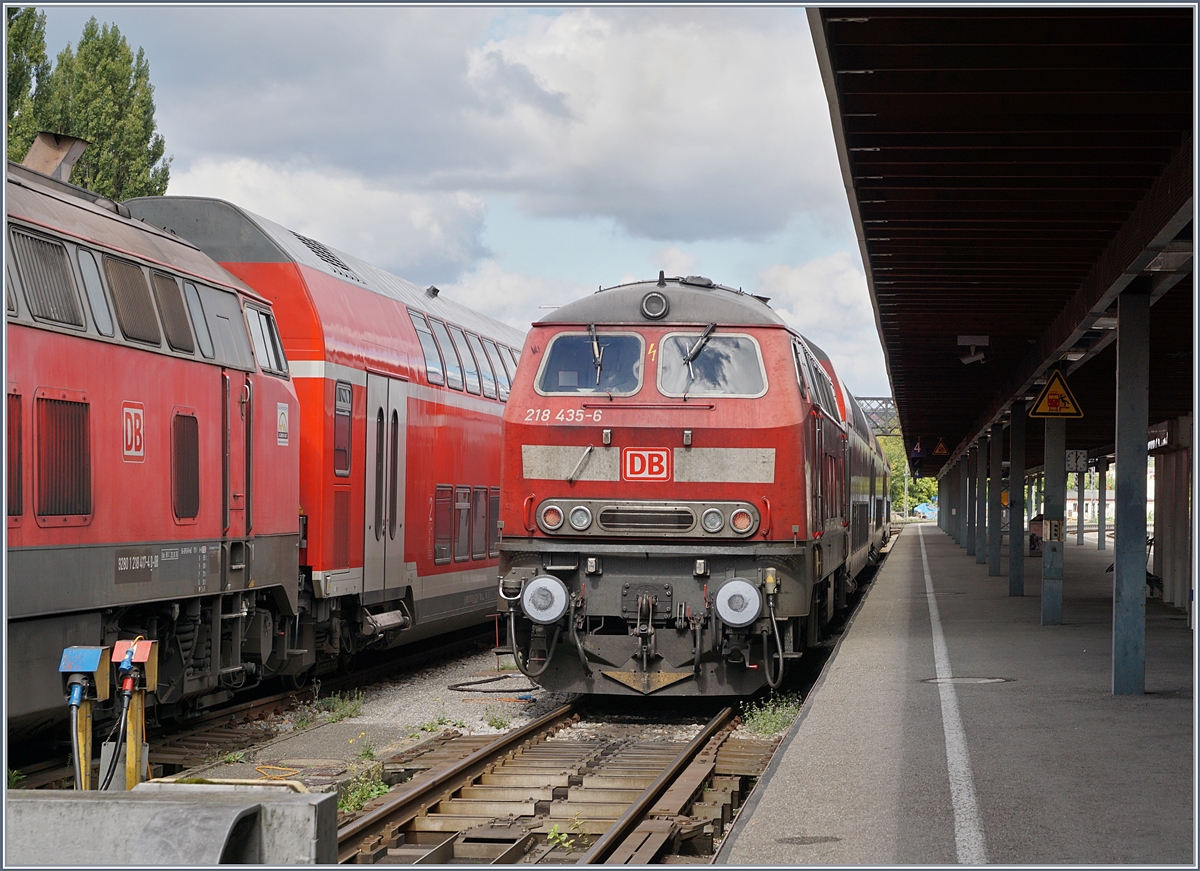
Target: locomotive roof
86, 215
232, 234
690, 300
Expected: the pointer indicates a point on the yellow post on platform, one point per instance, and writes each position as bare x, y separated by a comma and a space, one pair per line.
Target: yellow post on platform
83, 741
134, 738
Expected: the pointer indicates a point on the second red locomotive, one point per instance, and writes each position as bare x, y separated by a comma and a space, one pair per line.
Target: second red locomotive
689, 493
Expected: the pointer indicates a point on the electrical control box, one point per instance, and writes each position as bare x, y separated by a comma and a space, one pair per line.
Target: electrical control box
92, 661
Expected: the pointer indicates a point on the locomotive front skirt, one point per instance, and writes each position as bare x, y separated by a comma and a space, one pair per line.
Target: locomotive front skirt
688, 493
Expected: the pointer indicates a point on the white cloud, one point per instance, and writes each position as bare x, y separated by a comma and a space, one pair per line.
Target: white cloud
423, 236
512, 297
674, 261
826, 299
681, 123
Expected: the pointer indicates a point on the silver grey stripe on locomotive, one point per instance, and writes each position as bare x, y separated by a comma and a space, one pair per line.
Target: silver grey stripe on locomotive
556, 462
325, 369
733, 465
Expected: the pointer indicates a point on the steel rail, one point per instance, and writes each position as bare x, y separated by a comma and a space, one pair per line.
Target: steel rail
630, 819
408, 803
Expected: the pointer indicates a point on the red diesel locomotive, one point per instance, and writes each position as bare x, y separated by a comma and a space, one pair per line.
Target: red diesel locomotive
688, 493
263, 500
401, 394
153, 455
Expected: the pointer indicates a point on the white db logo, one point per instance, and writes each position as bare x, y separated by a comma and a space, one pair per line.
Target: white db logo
645, 464
133, 432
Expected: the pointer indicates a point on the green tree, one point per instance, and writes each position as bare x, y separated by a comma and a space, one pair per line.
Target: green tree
920, 490
101, 92
28, 68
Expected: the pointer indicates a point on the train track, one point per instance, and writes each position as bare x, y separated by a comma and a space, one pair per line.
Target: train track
240, 726
563, 790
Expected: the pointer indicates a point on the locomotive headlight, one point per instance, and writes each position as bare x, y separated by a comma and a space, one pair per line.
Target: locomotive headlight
741, 520
738, 603
712, 520
544, 599
581, 517
552, 517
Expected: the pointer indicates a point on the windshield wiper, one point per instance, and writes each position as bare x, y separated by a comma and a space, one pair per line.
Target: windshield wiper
597, 352
693, 352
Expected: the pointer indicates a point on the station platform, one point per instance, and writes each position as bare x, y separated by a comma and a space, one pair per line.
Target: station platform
885, 765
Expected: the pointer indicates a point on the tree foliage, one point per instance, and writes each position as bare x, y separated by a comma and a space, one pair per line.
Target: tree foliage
100, 91
28, 68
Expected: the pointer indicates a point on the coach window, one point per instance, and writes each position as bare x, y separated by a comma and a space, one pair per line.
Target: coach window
443, 504
506, 358
501, 375
454, 375
199, 322
470, 373
47, 279
485, 368
462, 524
342, 404
479, 524
10, 292
494, 522
592, 362
95, 292
433, 361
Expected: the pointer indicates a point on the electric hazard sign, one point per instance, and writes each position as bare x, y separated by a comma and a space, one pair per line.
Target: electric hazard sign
1056, 399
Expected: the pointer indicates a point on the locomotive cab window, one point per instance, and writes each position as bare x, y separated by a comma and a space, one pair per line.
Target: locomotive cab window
592, 362
433, 360
267, 346
710, 363
342, 405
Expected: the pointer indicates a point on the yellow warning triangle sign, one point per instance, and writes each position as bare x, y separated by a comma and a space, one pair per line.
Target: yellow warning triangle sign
1056, 399
940, 450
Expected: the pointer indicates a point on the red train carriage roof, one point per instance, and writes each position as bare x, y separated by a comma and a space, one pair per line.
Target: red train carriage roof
66, 208
231, 234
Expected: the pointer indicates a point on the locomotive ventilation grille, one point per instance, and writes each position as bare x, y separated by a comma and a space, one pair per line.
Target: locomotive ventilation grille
595, 517
630, 519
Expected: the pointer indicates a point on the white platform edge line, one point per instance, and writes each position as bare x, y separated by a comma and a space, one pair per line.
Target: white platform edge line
968, 829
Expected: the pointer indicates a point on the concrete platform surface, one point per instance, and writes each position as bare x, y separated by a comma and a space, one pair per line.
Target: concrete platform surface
1046, 766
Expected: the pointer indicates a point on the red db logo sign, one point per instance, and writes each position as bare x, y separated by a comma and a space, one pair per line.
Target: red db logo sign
133, 432
645, 464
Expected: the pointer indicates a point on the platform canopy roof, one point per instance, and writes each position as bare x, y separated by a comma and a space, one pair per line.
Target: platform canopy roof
1011, 171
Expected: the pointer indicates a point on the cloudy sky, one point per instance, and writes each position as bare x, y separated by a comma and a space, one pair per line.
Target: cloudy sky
522, 157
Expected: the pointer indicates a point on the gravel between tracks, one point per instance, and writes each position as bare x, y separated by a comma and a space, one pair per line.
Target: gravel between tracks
396, 713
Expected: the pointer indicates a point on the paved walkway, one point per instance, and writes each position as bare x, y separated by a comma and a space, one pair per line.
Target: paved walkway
1045, 766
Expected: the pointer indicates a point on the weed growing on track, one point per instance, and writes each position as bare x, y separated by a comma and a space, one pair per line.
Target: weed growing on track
772, 715
493, 718
361, 789
366, 749
341, 706
14, 778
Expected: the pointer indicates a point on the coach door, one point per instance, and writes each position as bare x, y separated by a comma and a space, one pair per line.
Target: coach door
383, 542
237, 427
